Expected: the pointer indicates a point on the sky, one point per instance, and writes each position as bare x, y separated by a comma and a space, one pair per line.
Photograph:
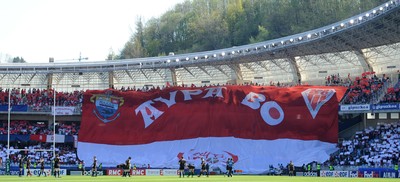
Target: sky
64, 29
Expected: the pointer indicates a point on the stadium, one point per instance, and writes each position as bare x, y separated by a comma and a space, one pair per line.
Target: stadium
326, 99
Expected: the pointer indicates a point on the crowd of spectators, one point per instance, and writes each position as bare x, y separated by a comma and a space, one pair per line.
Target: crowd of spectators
393, 94
67, 129
337, 80
361, 90
43, 98
374, 147
150, 88
66, 152
365, 88
32, 128
40, 98
24, 128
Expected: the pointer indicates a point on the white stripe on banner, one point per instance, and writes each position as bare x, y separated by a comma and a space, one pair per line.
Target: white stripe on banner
59, 138
253, 156
75, 141
63, 110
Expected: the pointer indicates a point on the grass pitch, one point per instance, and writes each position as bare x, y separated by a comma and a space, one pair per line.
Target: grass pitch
241, 178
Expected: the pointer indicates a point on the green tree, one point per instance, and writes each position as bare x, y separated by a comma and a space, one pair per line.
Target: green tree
111, 55
201, 25
263, 35
152, 43
18, 60
210, 32
134, 48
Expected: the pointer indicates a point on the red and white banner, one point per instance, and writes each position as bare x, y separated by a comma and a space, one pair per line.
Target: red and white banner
144, 172
256, 126
114, 172
48, 138
63, 110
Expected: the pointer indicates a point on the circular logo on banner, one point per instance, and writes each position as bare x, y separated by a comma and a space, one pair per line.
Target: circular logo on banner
272, 113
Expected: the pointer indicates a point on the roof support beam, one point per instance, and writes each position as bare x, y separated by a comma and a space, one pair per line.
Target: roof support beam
262, 64
59, 77
237, 76
365, 63
295, 70
309, 61
204, 70
49, 77
218, 67
129, 74
189, 72
2, 76
145, 75
31, 77
278, 65
110, 79
173, 76
248, 66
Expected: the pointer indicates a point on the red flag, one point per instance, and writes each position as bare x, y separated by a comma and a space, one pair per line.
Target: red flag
163, 111
239, 122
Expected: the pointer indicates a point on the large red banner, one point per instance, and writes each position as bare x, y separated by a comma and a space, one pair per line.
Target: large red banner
247, 112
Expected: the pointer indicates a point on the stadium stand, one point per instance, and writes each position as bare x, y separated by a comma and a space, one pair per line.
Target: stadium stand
66, 152
372, 147
40, 99
32, 127
366, 89
393, 94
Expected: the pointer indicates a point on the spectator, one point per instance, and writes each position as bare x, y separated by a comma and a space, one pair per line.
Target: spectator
371, 147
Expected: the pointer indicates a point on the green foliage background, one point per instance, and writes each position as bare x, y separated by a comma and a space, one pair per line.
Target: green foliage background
202, 25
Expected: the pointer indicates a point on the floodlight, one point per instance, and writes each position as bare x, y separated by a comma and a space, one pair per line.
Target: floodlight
374, 11
205, 56
187, 58
177, 60
309, 36
300, 38
291, 40
360, 18
333, 27
387, 4
233, 52
223, 54
215, 55
367, 15
196, 57
265, 46
351, 21
342, 24
168, 61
